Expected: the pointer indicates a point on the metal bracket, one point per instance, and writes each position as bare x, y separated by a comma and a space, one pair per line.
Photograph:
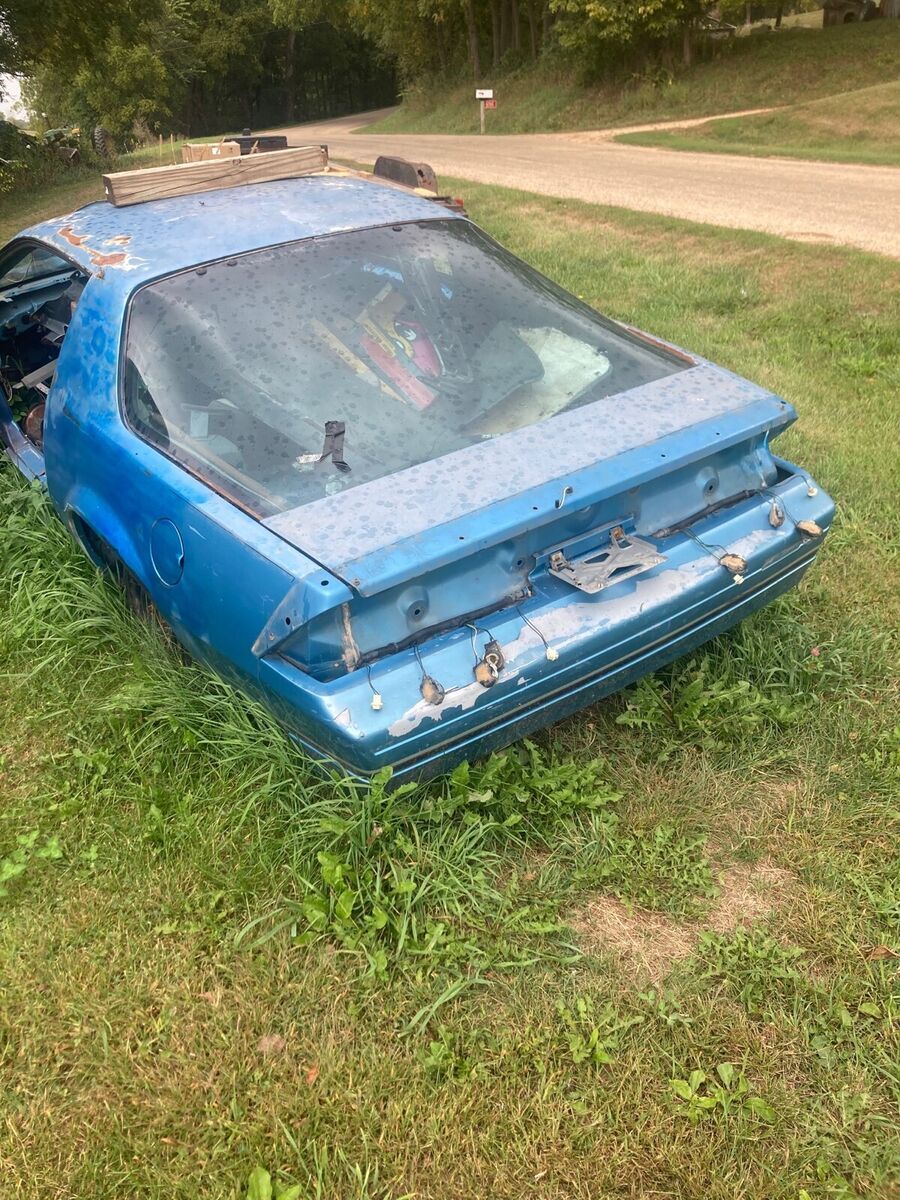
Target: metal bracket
626, 555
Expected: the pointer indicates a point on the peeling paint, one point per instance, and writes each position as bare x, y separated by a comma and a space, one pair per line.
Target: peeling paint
461, 698
350, 648
95, 257
344, 720
567, 624
182, 231
69, 235
108, 260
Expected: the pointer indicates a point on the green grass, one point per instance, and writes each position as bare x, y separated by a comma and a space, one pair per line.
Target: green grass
214, 961
799, 20
764, 70
72, 189
860, 126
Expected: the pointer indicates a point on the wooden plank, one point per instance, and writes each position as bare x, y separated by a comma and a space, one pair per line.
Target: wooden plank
157, 183
201, 151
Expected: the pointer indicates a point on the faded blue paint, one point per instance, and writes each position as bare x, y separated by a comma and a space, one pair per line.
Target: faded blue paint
162, 236
371, 535
283, 607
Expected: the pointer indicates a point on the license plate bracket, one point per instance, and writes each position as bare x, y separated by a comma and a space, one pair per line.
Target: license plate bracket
622, 557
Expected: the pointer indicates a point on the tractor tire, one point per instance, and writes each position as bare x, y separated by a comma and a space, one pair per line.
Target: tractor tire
104, 143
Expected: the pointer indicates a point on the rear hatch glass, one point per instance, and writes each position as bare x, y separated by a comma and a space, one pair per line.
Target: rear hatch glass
294, 373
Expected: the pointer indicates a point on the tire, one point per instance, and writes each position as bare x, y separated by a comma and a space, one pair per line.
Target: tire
104, 143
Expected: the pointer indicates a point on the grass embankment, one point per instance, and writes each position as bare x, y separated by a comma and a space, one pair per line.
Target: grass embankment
799, 20
860, 126
75, 187
759, 71
527, 980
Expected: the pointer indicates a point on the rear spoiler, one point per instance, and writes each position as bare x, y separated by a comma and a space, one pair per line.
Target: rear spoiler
416, 175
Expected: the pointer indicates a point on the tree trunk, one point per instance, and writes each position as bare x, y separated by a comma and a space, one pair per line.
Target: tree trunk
504, 27
546, 22
290, 88
472, 30
496, 52
514, 13
779, 13
532, 29
441, 43
891, 8
687, 49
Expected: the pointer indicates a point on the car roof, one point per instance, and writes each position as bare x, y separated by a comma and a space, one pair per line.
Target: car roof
133, 244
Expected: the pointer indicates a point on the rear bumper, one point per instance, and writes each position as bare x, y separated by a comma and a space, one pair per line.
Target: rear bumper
600, 643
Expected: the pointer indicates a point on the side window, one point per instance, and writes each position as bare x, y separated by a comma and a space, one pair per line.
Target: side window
39, 290
30, 262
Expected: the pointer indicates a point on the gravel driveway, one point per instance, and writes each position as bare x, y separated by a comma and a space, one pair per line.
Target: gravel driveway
808, 201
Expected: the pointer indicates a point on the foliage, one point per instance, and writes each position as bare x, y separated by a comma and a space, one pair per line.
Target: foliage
593, 1036
32, 162
260, 1187
26, 852
690, 705
391, 865
756, 964
205, 66
64, 32
201, 66
623, 25
722, 1095
795, 67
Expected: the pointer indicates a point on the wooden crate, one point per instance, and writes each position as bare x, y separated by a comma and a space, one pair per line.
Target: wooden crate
201, 151
157, 183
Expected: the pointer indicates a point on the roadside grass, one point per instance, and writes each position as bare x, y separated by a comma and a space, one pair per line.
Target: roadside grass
761, 71
798, 20
859, 126
80, 185
215, 962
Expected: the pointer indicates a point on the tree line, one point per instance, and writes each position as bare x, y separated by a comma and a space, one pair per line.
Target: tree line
199, 66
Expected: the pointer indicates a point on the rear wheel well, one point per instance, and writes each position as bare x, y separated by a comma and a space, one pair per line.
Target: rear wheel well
110, 563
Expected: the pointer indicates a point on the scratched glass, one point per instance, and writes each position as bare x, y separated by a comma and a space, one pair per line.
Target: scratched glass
31, 263
289, 374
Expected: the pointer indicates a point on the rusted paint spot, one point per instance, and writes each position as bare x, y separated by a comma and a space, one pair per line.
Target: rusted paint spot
73, 238
98, 258
107, 260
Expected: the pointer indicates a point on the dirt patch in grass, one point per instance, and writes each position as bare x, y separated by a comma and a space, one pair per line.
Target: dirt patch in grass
648, 944
748, 893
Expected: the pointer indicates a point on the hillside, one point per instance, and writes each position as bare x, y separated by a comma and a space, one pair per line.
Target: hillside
859, 126
795, 65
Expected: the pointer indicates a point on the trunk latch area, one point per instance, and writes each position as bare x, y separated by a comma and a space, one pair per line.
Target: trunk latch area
624, 555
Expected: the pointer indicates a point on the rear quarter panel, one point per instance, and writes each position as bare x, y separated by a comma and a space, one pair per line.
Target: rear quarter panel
100, 473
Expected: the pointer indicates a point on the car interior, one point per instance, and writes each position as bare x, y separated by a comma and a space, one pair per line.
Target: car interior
410, 342
39, 291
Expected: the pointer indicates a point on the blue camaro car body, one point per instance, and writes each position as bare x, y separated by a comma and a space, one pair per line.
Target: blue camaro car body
379, 472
